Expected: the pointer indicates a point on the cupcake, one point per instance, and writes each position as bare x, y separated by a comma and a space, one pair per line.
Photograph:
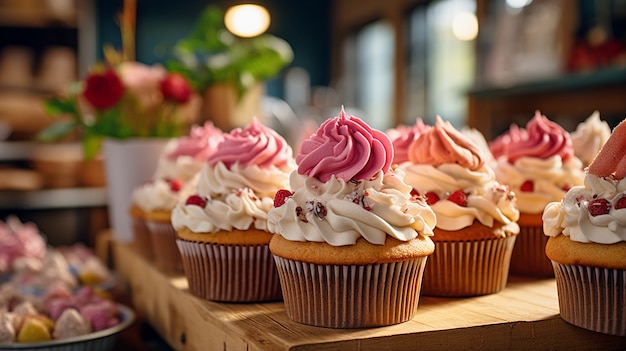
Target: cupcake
222, 228
589, 137
350, 241
174, 179
539, 165
587, 243
476, 215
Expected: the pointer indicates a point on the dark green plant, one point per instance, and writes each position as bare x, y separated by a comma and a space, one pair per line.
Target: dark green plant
210, 55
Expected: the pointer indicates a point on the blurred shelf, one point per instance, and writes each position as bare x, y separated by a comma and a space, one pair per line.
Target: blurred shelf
573, 81
523, 316
567, 100
37, 16
53, 198
16, 150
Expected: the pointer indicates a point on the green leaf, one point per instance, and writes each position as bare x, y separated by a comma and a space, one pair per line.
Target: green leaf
55, 107
91, 146
56, 131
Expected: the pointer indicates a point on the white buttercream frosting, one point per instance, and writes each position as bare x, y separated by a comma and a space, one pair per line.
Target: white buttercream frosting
589, 137
339, 212
488, 201
551, 178
571, 216
238, 198
157, 194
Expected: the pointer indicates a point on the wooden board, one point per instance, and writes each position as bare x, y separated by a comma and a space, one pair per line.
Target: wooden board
523, 316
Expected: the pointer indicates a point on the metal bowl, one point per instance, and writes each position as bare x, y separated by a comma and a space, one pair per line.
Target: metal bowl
103, 340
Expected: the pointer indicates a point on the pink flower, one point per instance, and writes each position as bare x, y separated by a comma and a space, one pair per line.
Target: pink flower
143, 81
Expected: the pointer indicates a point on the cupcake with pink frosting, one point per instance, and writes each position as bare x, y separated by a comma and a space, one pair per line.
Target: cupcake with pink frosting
539, 164
476, 215
174, 180
350, 241
222, 226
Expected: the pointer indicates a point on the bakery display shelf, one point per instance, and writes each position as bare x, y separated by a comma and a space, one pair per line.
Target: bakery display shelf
53, 198
16, 150
585, 80
40, 16
523, 316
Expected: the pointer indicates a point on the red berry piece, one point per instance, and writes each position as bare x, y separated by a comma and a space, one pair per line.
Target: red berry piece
458, 197
281, 195
599, 206
567, 187
175, 184
415, 194
196, 200
431, 198
621, 203
528, 186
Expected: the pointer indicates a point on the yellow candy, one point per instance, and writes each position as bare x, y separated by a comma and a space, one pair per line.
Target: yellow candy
33, 330
89, 278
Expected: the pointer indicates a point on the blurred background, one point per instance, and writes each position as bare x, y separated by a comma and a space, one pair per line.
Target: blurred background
478, 63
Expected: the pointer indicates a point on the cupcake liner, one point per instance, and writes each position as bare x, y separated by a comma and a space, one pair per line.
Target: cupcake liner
529, 254
166, 254
592, 298
350, 296
230, 273
142, 243
468, 268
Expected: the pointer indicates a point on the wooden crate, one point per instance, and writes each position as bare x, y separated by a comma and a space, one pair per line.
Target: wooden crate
524, 316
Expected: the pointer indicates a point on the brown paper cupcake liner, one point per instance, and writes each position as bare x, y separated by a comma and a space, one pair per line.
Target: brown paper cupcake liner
142, 243
529, 254
592, 298
468, 268
339, 296
166, 254
230, 273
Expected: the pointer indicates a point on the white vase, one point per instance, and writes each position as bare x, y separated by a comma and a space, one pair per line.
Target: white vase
128, 163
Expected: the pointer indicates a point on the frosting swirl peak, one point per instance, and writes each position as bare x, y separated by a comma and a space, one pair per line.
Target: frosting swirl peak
444, 144
256, 144
199, 144
347, 148
402, 136
541, 139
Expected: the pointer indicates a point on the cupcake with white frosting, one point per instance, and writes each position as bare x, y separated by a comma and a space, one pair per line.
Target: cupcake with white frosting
351, 241
587, 243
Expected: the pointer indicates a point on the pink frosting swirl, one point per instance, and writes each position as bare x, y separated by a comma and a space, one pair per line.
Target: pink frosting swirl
444, 144
402, 137
256, 144
542, 139
346, 147
201, 142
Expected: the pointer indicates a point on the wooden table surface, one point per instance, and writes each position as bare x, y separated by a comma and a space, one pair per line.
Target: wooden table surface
523, 316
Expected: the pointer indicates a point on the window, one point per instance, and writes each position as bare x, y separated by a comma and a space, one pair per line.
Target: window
416, 59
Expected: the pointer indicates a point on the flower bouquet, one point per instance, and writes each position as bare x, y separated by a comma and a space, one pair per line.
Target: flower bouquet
122, 101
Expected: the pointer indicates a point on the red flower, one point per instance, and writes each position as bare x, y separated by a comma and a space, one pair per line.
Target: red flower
176, 88
103, 90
